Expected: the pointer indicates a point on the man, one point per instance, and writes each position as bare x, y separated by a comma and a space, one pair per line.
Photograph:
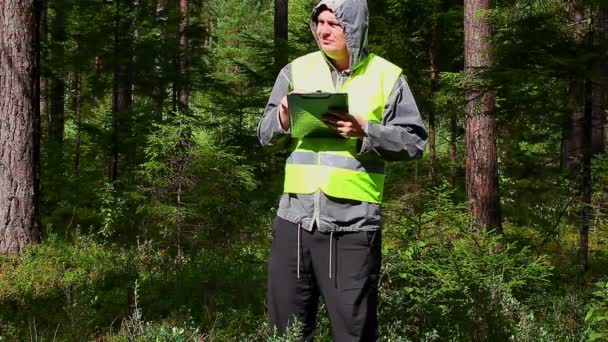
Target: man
326, 236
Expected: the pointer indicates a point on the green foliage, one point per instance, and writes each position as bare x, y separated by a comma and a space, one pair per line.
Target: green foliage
596, 319
186, 220
81, 289
600, 189
301, 40
134, 328
444, 282
241, 56
110, 210
293, 333
192, 183
73, 287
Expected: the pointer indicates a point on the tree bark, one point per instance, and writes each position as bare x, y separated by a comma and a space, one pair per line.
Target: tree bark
19, 124
507, 146
160, 87
113, 174
572, 130
600, 68
453, 135
586, 185
183, 91
481, 152
122, 87
280, 34
77, 83
453, 148
44, 119
57, 87
431, 110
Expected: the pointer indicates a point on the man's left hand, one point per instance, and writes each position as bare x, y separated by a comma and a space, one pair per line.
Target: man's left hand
347, 125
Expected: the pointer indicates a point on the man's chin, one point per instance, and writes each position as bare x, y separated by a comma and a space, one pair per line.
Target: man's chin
331, 53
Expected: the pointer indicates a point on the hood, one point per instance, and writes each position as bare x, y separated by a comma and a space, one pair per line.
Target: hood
354, 17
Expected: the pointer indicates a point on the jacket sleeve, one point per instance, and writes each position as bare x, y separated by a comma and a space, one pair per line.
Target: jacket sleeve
401, 134
270, 132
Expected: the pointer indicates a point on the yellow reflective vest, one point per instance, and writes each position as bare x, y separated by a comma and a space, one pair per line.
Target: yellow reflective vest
333, 165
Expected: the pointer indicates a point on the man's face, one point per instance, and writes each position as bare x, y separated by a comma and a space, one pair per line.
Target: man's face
331, 35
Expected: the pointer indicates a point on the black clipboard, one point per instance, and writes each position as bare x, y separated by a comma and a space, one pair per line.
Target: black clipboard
306, 110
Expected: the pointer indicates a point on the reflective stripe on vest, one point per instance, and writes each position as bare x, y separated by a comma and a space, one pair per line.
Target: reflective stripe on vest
333, 165
337, 161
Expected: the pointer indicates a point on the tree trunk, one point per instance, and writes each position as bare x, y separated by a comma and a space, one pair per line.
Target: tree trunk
113, 174
19, 124
280, 34
43, 77
122, 88
586, 185
174, 97
453, 137
160, 87
77, 83
481, 153
184, 91
57, 88
600, 68
431, 109
507, 146
572, 131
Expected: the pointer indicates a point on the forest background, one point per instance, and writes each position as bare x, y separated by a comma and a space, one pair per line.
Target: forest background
150, 200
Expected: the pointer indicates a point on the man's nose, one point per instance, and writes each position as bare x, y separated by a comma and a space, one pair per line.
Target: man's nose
324, 30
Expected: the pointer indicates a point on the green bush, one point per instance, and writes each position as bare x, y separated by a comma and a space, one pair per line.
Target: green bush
596, 320
64, 289
442, 281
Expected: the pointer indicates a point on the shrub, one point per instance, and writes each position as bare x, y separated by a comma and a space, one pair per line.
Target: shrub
442, 281
596, 320
67, 289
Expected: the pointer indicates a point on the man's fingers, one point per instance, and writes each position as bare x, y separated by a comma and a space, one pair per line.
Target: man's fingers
332, 119
336, 119
338, 112
338, 123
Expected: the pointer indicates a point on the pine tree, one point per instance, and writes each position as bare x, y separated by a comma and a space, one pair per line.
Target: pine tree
19, 125
481, 151
280, 33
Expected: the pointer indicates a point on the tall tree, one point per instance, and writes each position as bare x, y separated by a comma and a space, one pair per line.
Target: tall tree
43, 75
77, 88
600, 68
431, 110
122, 85
572, 131
453, 149
57, 82
594, 121
183, 91
159, 64
280, 33
19, 124
481, 152
586, 182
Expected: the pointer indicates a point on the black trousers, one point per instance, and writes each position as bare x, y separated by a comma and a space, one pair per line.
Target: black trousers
342, 267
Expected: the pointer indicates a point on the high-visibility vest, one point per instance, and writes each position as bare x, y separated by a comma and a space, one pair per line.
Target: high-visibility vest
332, 164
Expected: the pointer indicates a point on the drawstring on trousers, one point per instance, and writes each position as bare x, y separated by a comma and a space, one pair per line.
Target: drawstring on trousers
299, 251
299, 247
331, 238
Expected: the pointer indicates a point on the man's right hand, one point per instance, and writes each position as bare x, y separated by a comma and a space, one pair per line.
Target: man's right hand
284, 113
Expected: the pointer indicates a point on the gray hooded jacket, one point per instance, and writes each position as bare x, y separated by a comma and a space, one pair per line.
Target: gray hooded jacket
400, 135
